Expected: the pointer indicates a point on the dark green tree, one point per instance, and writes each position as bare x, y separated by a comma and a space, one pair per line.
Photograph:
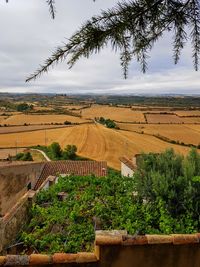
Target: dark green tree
55, 150
24, 107
132, 28
70, 152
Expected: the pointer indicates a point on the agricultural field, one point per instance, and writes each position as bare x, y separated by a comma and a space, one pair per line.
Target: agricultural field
5, 153
191, 120
21, 119
163, 118
113, 113
93, 141
187, 113
188, 134
3, 118
28, 128
38, 108
73, 107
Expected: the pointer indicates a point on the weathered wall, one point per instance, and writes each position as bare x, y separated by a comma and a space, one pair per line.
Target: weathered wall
126, 171
14, 221
150, 256
14, 180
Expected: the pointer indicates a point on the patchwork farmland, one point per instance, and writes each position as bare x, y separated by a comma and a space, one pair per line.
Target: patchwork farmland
139, 130
93, 141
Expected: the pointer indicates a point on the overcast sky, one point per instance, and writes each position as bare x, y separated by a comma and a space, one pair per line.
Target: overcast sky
28, 36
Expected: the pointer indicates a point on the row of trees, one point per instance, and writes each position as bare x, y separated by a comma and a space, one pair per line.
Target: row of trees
55, 152
107, 122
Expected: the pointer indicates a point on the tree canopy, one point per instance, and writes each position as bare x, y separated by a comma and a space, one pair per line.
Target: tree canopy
132, 28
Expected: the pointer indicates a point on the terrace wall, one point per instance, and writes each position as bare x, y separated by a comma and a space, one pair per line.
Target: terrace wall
117, 249
14, 180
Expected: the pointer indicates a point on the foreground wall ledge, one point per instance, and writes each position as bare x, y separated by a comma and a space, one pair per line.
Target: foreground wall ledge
103, 238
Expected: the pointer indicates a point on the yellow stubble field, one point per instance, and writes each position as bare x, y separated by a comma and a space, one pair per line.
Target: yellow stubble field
187, 133
93, 141
113, 113
163, 118
21, 119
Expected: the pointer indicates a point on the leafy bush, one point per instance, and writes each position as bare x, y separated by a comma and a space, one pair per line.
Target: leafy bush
24, 156
107, 122
69, 152
55, 150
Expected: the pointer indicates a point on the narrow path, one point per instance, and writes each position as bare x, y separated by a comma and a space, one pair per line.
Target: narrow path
43, 153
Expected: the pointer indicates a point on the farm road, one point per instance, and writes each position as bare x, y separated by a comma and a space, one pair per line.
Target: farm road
43, 153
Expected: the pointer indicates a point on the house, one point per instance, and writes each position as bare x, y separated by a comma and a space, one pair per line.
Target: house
129, 166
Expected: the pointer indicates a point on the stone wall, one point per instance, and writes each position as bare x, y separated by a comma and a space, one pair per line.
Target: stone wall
14, 180
14, 220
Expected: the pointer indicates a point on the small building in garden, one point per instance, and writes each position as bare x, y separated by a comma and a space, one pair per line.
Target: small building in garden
128, 166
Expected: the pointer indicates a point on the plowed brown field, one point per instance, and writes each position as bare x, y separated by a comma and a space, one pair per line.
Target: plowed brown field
93, 141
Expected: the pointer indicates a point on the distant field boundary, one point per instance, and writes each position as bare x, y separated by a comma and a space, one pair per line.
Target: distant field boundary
41, 129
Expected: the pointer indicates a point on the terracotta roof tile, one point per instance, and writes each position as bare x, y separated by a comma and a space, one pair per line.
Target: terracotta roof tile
86, 257
159, 239
98, 168
179, 239
134, 240
39, 259
128, 163
2, 260
64, 258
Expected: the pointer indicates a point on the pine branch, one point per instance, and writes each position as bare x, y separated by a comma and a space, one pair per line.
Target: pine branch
52, 9
132, 28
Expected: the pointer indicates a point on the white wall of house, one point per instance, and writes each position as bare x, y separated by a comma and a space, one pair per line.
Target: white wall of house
126, 171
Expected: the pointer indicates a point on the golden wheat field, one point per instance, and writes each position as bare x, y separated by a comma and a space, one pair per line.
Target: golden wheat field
113, 113
2, 118
93, 141
191, 120
73, 107
42, 108
163, 118
195, 127
187, 113
21, 119
182, 133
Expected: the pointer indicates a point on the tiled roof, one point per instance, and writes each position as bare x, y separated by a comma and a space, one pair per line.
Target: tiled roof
53, 168
128, 163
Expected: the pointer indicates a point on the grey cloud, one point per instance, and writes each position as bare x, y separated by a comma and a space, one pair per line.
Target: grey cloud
29, 35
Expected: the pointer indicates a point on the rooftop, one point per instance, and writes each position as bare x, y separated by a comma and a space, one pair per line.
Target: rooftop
82, 168
128, 163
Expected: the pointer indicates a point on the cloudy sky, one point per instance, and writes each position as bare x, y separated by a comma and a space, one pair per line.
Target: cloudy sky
28, 36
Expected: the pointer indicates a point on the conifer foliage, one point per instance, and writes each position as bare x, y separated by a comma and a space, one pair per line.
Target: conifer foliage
132, 28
